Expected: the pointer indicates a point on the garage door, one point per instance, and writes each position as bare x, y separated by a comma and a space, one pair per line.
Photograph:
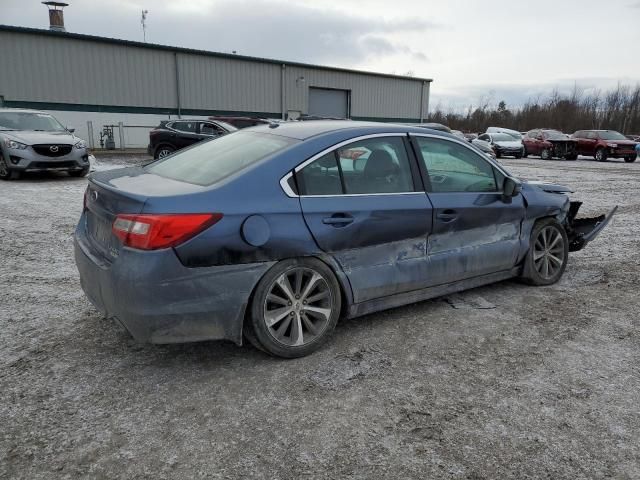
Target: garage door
328, 103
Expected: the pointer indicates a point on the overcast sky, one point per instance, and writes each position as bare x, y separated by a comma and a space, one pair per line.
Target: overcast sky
494, 49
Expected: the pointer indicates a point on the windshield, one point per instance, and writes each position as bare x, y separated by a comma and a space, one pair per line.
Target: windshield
209, 162
503, 137
611, 135
554, 135
29, 121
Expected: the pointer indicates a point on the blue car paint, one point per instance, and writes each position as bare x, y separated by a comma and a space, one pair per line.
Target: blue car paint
200, 289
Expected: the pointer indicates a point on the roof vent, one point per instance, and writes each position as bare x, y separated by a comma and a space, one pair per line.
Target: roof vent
56, 17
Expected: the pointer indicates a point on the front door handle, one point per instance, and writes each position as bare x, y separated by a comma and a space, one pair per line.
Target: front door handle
447, 216
338, 220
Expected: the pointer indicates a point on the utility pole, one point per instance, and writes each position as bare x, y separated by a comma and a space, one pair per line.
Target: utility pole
143, 22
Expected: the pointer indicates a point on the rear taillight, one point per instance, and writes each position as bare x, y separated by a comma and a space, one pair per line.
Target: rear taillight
151, 232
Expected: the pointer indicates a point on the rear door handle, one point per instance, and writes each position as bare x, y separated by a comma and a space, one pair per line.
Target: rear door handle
338, 220
447, 216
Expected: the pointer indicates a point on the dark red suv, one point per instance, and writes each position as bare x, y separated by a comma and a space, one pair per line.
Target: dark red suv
603, 144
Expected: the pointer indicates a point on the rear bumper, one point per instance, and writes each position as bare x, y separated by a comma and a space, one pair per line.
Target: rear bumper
158, 300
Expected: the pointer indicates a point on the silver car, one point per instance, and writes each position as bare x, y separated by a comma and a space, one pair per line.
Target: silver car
33, 141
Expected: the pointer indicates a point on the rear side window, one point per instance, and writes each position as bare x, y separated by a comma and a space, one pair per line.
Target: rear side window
189, 127
320, 177
211, 161
377, 165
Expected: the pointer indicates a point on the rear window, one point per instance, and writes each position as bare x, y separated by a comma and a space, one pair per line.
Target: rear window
209, 162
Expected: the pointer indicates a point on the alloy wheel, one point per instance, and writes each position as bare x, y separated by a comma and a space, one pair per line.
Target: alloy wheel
298, 307
165, 152
548, 252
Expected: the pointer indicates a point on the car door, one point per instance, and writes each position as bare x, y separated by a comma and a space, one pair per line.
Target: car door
475, 231
531, 142
185, 133
589, 143
364, 204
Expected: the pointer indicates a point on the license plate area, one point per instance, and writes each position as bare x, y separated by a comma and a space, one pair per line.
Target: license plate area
102, 237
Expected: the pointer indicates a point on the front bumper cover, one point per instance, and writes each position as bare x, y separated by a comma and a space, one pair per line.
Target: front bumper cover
583, 230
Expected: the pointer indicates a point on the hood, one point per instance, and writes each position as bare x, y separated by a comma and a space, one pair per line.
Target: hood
509, 143
631, 143
34, 138
549, 187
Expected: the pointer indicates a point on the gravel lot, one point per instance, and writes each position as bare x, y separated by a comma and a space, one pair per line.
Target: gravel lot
505, 381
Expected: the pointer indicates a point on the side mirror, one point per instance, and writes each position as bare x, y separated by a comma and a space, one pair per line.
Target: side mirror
510, 188
71, 130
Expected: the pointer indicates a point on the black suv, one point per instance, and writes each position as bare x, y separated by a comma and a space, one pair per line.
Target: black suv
172, 135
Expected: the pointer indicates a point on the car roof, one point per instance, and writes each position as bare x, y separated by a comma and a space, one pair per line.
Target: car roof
313, 128
22, 110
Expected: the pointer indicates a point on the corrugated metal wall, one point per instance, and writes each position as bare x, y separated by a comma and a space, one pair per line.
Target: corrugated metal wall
53, 69
371, 96
40, 68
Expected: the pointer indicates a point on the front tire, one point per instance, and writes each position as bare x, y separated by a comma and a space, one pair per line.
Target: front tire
545, 154
601, 155
548, 253
630, 159
5, 172
79, 173
294, 308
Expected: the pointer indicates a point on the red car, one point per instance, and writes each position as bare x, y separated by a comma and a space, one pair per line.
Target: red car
548, 144
602, 144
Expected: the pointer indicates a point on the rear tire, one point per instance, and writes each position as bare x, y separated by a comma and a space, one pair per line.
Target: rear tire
294, 308
163, 151
601, 155
548, 253
630, 159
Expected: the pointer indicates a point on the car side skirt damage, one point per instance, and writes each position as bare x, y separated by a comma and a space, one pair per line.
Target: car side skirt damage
398, 300
582, 230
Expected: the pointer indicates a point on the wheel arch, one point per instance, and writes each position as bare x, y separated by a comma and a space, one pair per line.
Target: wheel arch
333, 265
163, 144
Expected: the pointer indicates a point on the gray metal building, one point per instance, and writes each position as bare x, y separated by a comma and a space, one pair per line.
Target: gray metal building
82, 78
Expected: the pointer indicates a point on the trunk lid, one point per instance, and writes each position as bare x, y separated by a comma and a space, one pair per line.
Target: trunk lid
123, 191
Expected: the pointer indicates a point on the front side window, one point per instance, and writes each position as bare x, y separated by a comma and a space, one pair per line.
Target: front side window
376, 165
455, 168
211, 161
209, 129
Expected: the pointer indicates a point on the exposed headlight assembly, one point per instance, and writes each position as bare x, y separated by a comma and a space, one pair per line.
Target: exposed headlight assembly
81, 144
13, 145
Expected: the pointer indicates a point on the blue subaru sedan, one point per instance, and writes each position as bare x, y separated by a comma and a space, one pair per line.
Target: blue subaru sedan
273, 233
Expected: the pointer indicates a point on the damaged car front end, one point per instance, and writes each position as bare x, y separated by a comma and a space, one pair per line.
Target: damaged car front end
580, 231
